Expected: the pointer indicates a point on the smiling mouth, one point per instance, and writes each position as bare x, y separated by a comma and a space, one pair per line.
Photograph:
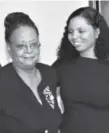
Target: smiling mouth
77, 44
28, 57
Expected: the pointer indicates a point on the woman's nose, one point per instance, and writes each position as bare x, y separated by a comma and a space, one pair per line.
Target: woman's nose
75, 35
29, 49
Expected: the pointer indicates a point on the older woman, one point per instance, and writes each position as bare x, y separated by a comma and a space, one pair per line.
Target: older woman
27, 88
83, 70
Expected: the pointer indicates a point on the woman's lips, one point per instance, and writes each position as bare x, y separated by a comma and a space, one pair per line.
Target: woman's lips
28, 57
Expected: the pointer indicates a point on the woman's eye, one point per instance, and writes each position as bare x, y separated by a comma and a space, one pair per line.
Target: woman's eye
81, 31
70, 32
34, 44
20, 46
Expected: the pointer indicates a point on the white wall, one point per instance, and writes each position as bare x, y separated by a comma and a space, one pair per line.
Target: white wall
50, 18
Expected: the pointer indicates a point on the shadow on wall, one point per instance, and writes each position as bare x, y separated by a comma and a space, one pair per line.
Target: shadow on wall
102, 7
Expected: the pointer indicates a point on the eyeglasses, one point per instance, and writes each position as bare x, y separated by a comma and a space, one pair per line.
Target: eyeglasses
32, 46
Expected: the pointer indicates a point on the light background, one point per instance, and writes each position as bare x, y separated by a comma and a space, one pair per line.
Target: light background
50, 18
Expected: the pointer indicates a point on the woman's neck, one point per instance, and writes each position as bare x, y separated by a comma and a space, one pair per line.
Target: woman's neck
26, 72
88, 54
31, 77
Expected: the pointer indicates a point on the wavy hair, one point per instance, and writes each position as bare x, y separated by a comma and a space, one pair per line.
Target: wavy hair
66, 51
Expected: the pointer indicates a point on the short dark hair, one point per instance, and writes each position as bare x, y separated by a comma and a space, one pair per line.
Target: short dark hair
66, 51
14, 20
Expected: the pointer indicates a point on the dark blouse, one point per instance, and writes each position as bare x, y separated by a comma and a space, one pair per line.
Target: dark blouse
84, 86
20, 112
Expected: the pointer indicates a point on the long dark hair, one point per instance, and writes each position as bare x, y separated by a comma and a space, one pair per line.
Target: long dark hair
66, 51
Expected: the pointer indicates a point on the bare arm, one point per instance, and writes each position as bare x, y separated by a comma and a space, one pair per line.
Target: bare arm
59, 99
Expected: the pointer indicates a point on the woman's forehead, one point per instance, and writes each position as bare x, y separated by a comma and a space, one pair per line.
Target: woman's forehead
78, 22
24, 34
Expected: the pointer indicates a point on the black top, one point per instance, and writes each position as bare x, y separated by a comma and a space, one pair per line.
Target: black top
85, 92
20, 112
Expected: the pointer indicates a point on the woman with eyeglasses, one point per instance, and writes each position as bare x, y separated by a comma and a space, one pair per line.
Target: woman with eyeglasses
27, 88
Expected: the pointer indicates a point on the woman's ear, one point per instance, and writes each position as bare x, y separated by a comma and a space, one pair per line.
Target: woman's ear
97, 32
8, 49
8, 52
